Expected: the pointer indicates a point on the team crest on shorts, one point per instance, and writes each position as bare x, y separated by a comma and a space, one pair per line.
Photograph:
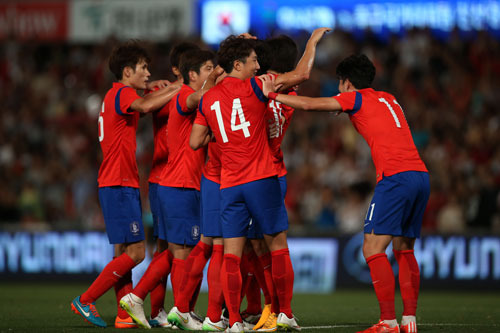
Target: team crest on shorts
134, 228
195, 232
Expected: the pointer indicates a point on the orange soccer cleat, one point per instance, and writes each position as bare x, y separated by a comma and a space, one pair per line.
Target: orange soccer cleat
124, 322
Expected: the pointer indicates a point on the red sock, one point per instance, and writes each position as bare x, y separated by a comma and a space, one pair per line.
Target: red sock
194, 297
282, 271
231, 285
383, 282
215, 295
177, 274
245, 269
157, 269
264, 274
409, 280
258, 272
157, 296
114, 271
193, 268
254, 302
122, 287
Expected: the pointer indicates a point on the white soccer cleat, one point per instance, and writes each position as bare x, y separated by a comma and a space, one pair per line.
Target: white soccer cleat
160, 320
209, 325
237, 327
134, 307
196, 316
184, 320
287, 324
408, 324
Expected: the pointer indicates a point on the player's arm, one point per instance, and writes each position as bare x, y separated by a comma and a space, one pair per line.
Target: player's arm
305, 65
157, 84
194, 99
298, 102
156, 99
200, 136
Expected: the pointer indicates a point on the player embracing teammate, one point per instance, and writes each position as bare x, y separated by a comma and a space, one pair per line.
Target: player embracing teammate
235, 112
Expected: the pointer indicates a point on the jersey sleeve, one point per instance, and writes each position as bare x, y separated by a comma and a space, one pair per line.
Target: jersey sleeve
350, 101
181, 102
124, 99
200, 116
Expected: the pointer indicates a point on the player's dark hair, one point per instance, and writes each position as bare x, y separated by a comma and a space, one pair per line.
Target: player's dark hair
178, 50
284, 51
192, 61
234, 48
126, 54
264, 56
358, 69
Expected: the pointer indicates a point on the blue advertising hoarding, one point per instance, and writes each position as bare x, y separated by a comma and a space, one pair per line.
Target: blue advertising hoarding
321, 264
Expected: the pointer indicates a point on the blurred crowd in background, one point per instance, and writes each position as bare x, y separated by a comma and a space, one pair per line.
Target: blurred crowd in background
51, 94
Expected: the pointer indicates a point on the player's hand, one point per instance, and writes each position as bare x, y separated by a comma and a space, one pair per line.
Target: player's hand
318, 34
157, 84
268, 84
246, 35
272, 129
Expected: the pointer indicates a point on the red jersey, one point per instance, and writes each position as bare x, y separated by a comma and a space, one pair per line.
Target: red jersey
117, 136
184, 164
379, 118
212, 168
160, 155
236, 110
275, 112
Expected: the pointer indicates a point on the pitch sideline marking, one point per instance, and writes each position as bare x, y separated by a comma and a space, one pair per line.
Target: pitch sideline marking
429, 324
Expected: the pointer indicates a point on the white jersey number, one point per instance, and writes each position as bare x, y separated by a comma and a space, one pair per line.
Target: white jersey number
237, 111
101, 125
394, 115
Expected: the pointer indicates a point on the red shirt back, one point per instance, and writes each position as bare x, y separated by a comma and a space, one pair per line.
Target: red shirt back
236, 110
212, 168
379, 118
117, 136
184, 165
160, 155
275, 112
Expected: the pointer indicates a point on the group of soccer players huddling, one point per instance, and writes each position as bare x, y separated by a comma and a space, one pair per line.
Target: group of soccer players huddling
218, 183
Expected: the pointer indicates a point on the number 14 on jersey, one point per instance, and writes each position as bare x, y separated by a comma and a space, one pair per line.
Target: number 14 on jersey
237, 110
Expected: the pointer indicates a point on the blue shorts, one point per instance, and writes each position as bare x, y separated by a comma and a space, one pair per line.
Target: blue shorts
210, 208
398, 205
154, 205
254, 231
259, 200
121, 207
180, 215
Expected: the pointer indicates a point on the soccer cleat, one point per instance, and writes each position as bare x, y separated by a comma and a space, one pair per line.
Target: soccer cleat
134, 307
237, 327
381, 327
160, 320
411, 327
263, 317
270, 325
183, 320
125, 322
249, 320
287, 324
209, 325
88, 312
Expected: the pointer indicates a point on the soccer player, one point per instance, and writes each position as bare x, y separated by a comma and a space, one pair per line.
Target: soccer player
160, 157
118, 176
235, 111
396, 210
178, 189
284, 54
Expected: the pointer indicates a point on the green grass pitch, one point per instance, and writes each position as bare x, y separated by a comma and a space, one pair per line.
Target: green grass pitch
45, 307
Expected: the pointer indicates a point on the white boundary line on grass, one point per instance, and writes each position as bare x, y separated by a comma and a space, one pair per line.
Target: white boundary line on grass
429, 324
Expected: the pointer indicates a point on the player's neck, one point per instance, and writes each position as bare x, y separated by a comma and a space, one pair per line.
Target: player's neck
126, 82
238, 75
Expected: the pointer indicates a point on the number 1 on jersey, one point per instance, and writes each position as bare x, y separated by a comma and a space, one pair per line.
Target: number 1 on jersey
394, 115
236, 110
